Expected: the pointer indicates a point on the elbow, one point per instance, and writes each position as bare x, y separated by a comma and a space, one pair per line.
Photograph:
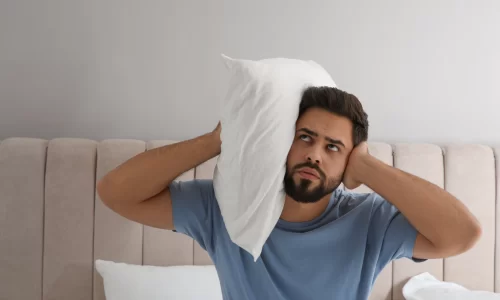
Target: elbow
100, 188
468, 238
474, 234
462, 241
105, 191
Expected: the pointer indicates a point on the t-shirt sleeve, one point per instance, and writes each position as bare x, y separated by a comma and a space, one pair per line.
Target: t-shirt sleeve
391, 232
193, 209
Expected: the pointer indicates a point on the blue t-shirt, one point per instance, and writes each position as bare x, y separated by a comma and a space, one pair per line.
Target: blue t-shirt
338, 255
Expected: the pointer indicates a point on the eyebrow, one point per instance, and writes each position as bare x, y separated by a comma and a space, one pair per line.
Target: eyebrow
333, 141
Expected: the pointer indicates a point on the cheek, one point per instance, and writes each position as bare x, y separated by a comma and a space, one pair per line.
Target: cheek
293, 156
336, 166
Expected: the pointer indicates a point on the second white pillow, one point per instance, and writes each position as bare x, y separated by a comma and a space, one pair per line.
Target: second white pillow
132, 282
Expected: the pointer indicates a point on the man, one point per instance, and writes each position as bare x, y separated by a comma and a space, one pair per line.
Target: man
329, 243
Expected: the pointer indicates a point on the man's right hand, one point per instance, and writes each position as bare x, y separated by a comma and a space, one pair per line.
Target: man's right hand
138, 188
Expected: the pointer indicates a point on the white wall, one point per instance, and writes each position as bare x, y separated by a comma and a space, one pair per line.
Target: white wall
426, 71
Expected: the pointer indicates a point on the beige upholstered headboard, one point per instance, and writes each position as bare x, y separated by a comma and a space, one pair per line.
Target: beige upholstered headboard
53, 226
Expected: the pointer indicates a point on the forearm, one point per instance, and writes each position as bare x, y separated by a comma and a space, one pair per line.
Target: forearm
435, 213
147, 174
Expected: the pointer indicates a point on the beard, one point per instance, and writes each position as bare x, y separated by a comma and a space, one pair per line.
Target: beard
302, 191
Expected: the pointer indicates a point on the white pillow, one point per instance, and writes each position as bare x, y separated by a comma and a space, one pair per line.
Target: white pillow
426, 287
132, 282
258, 118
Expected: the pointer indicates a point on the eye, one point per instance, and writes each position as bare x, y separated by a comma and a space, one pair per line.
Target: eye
333, 147
305, 137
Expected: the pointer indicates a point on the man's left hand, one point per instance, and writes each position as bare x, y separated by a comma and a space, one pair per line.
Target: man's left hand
358, 155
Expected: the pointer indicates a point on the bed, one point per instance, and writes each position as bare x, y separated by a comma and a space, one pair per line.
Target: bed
54, 226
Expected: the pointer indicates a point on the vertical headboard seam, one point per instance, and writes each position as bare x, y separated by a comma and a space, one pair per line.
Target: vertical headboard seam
43, 214
96, 159
393, 155
142, 226
443, 153
193, 242
495, 241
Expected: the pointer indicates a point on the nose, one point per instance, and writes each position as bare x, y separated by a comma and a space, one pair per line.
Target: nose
313, 160
313, 157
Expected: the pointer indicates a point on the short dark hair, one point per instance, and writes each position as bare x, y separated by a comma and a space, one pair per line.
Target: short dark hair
340, 103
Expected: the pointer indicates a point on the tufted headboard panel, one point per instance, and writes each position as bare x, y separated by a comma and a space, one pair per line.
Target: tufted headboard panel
53, 225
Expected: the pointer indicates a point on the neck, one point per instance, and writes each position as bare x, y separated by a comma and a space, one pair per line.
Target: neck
294, 211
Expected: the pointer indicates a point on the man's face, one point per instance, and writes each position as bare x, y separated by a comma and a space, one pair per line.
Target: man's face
318, 156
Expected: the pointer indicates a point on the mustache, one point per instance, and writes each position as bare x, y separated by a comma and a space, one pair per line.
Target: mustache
309, 165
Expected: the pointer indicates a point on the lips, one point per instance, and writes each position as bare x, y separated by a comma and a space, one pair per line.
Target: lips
308, 173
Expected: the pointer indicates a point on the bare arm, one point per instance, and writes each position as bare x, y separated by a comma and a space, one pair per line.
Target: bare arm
138, 188
446, 227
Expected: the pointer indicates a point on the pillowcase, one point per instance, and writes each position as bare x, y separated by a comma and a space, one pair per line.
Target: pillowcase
132, 282
258, 116
426, 287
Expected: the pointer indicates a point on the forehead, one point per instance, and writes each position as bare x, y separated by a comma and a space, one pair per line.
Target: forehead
327, 124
